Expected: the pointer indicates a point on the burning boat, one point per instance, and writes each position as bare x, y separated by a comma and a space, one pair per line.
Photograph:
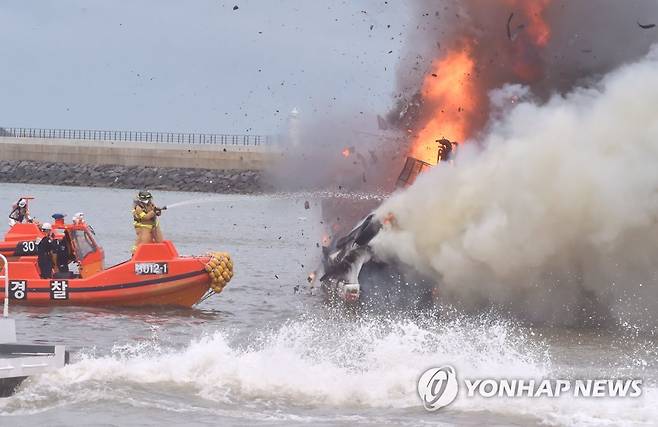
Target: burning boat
344, 261
355, 276
350, 262
459, 76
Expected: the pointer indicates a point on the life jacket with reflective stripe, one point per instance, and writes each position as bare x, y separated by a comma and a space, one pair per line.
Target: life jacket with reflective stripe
139, 217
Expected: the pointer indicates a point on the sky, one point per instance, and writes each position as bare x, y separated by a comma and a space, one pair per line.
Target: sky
196, 66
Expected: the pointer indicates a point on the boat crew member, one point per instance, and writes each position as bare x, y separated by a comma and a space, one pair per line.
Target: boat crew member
45, 252
145, 219
61, 254
19, 213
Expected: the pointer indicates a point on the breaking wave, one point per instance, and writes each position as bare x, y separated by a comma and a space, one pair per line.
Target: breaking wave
368, 363
364, 364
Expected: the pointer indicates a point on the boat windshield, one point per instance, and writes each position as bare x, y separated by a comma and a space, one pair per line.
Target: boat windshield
84, 243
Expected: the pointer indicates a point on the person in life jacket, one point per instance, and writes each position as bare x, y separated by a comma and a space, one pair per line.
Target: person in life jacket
19, 213
145, 219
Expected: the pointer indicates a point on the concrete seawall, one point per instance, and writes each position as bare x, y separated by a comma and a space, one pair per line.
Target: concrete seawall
126, 164
129, 153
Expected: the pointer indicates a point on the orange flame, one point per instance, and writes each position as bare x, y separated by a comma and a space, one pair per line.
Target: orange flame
451, 89
451, 94
531, 16
538, 28
346, 152
535, 35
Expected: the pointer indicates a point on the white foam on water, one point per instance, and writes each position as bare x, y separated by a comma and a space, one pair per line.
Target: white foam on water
368, 364
372, 363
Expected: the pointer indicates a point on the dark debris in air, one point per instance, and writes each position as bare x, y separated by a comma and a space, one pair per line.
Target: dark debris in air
512, 35
645, 26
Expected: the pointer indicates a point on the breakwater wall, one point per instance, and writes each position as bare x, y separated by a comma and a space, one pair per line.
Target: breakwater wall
236, 167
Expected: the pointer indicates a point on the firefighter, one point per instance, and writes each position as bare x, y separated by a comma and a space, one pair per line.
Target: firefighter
19, 213
145, 219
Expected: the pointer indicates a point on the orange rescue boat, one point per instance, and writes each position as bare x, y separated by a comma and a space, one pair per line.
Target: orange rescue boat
156, 275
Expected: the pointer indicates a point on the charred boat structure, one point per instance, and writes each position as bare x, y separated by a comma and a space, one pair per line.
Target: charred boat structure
353, 274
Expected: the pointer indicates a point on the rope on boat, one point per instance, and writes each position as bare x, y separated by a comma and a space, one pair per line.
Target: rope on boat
207, 295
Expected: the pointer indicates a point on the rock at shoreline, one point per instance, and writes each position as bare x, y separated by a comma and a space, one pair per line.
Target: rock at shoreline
157, 178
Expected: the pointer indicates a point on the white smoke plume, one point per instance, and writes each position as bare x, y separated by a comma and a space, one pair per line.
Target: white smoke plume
552, 213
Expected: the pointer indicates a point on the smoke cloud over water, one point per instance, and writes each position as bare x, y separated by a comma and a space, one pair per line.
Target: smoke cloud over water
556, 217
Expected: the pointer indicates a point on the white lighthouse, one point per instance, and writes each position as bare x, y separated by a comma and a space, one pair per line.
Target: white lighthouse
294, 131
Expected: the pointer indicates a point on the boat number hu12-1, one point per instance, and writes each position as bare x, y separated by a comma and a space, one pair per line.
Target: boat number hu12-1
151, 268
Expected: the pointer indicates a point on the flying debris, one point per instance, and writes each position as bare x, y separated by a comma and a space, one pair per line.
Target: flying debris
645, 26
519, 27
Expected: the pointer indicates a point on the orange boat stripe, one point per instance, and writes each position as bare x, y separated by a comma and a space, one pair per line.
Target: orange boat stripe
121, 285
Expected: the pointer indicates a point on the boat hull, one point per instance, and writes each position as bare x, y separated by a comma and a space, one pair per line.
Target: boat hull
184, 291
155, 276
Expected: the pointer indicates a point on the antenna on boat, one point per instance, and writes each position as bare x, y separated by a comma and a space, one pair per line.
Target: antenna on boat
5, 277
7, 325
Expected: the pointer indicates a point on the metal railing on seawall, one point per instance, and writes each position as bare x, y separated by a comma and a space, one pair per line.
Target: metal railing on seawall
137, 136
